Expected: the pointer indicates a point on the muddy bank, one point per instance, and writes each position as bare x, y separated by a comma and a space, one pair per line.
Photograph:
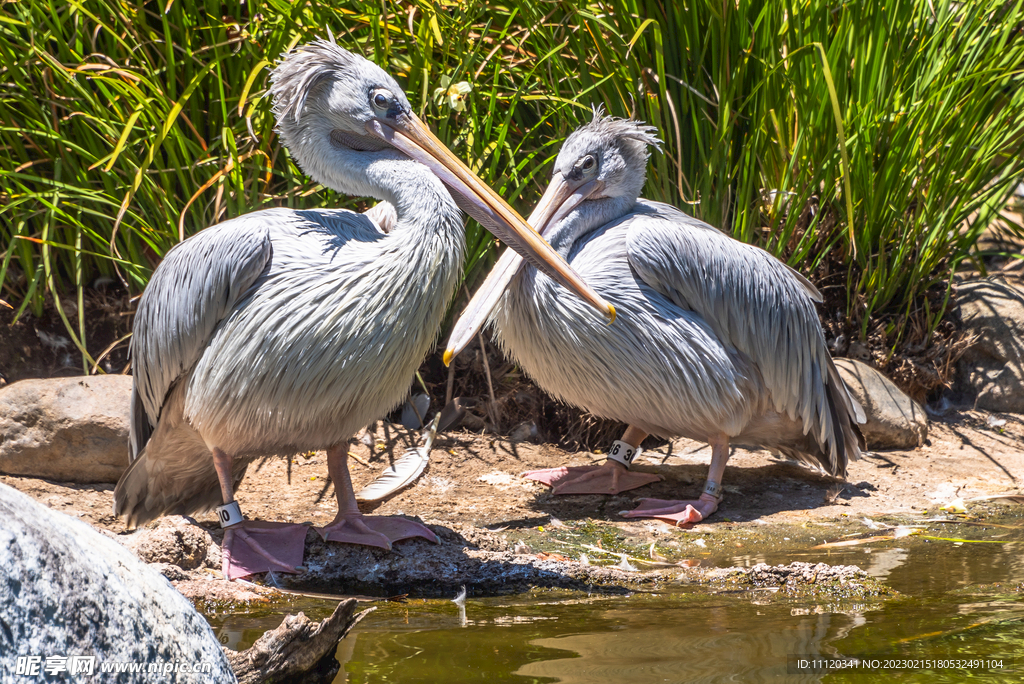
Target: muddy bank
479, 563
501, 534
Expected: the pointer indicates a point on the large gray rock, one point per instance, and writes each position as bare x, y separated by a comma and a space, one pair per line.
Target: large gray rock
894, 420
66, 590
66, 429
993, 368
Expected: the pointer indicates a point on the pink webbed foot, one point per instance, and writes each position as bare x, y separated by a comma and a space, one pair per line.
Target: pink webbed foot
608, 478
356, 528
253, 547
678, 513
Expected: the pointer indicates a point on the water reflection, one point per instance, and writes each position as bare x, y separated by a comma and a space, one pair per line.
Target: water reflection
714, 644
881, 562
956, 601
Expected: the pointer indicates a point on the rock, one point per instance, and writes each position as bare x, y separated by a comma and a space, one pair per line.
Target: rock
68, 591
172, 572
894, 420
173, 540
464, 558
795, 579
217, 595
797, 572
993, 368
66, 429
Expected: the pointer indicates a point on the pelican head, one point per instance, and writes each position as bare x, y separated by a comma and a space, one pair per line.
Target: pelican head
339, 114
604, 164
603, 161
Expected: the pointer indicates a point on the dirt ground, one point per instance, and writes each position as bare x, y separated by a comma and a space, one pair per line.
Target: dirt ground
500, 534
474, 480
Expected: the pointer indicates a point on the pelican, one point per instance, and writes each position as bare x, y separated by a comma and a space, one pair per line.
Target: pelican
283, 331
716, 340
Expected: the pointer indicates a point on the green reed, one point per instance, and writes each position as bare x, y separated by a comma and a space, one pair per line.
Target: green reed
881, 138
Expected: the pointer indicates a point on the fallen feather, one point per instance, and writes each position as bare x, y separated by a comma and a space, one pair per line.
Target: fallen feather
832, 494
954, 506
365, 438
272, 580
598, 549
939, 408
460, 600
522, 549
402, 473
932, 635
872, 525
621, 555
499, 479
624, 564
852, 542
898, 532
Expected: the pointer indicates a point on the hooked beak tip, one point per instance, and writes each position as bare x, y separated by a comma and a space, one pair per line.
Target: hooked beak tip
447, 358
611, 319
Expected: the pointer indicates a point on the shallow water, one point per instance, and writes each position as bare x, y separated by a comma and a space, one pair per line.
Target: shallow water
961, 601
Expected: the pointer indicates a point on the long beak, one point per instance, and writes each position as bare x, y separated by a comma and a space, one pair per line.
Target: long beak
482, 303
558, 200
412, 137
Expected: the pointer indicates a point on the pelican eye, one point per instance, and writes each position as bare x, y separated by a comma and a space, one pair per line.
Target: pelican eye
381, 99
587, 165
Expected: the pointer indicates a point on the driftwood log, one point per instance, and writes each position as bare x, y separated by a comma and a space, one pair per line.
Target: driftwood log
298, 650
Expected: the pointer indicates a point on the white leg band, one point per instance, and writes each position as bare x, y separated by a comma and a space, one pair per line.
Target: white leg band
623, 453
229, 514
713, 489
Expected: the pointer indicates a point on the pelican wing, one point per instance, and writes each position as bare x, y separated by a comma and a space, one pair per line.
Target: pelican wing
757, 305
195, 287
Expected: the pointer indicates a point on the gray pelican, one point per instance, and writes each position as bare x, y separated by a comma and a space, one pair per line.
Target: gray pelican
283, 331
716, 340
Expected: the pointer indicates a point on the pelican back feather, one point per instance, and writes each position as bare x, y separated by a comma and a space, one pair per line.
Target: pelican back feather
756, 305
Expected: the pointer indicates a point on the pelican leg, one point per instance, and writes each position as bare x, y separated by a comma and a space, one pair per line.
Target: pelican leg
688, 512
252, 547
611, 477
351, 526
